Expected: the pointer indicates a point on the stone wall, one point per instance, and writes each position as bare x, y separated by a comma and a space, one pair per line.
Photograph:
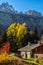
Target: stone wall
38, 55
28, 55
25, 54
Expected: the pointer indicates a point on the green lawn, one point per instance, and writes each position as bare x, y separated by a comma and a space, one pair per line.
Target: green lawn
34, 61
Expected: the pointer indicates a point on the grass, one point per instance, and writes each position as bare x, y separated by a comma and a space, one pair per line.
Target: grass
6, 58
9, 59
31, 60
14, 57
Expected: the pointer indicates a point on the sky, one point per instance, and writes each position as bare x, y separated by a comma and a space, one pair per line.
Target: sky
24, 5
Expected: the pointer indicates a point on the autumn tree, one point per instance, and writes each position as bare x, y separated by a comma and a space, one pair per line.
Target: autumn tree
16, 34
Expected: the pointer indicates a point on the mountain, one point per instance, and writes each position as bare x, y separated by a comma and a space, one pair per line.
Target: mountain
34, 13
5, 7
8, 16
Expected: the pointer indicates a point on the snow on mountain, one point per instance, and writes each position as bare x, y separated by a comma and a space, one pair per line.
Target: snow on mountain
33, 12
6, 7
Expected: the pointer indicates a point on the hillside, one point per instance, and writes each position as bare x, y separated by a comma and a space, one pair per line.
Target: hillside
8, 15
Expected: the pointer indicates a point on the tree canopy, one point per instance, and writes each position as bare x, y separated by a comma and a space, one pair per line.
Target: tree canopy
16, 33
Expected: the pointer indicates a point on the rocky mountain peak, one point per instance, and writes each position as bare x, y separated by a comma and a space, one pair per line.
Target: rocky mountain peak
33, 12
6, 7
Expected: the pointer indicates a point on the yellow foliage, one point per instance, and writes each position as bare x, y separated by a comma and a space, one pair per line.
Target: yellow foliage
6, 57
18, 31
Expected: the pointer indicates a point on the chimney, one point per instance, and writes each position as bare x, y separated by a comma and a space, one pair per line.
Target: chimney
29, 43
39, 42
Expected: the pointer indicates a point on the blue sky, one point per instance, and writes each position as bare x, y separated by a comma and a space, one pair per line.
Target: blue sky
24, 5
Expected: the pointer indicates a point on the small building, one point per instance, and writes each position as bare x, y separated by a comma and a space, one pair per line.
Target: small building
34, 50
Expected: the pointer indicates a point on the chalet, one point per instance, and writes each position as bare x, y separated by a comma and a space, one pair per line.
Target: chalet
34, 50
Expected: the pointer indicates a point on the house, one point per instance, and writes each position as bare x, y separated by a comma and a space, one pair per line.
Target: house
32, 50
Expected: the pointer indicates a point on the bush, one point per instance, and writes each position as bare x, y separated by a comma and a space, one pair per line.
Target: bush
6, 63
40, 61
9, 59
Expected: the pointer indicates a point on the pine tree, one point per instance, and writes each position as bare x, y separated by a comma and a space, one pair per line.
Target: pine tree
35, 34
